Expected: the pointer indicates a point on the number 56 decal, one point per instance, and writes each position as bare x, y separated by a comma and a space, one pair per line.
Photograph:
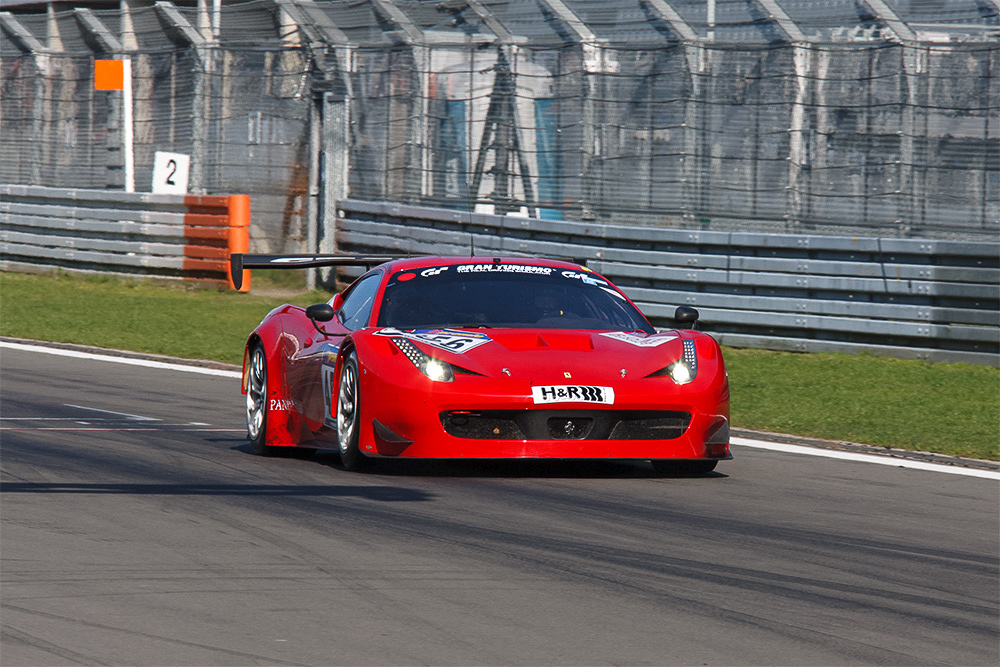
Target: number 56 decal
452, 340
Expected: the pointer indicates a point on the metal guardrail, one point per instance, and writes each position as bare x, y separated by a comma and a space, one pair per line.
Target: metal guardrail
922, 299
183, 236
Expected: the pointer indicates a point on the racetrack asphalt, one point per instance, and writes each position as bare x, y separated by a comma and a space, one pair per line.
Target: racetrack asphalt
138, 529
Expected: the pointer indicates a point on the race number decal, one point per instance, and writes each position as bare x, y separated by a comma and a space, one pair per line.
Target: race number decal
451, 340
571, 393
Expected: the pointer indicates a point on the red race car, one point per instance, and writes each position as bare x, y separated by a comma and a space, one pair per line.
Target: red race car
482, 358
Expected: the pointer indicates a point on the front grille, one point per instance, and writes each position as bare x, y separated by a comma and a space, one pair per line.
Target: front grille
566, 424
481, 426
651, 428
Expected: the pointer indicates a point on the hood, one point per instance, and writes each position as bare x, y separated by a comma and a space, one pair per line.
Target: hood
550, 355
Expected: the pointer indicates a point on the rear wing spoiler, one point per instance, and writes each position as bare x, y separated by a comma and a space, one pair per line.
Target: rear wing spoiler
239, 264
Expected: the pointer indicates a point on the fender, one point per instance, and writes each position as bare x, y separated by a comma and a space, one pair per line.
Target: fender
284, 420
362, 347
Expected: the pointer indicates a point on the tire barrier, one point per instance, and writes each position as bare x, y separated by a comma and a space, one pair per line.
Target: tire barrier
178, 236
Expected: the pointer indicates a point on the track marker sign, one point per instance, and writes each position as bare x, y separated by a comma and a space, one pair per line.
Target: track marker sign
170, 173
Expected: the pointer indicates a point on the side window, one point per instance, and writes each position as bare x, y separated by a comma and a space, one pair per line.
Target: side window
358, 302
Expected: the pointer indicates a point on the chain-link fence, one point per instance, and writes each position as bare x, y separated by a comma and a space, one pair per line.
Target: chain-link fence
638, 112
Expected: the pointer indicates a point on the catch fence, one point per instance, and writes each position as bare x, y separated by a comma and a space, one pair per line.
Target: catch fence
766, 117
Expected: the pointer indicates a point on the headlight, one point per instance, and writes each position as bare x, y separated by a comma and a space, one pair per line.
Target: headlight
683, 370
435, 369
679, 372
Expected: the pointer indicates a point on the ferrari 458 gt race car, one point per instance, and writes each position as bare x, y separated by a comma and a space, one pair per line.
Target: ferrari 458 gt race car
482, 358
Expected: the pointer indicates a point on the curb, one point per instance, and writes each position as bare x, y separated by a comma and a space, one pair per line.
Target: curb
875, 450
91, 349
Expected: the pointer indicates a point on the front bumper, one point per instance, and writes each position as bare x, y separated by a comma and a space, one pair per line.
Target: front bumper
472, 419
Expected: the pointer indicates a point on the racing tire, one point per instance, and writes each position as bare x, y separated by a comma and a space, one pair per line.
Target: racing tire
683, 468
257, 402
349, 414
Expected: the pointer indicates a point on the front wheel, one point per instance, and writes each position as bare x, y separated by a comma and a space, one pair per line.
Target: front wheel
349, 414
683, 468
257, 402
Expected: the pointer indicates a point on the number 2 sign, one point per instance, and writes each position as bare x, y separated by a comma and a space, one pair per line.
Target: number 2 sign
170, 173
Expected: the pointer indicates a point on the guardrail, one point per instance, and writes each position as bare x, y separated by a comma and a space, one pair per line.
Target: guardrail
183, 236
922, 299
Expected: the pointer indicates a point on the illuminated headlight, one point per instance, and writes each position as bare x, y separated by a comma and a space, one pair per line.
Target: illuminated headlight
683, 370
435, 369
679, 372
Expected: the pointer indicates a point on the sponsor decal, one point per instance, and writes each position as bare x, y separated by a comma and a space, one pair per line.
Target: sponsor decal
614, 293
451, 340
589, 280
505, 268
281, 404
572, 393
436, 271
639, 341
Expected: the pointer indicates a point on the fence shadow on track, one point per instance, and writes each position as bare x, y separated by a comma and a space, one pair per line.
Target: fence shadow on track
386, 494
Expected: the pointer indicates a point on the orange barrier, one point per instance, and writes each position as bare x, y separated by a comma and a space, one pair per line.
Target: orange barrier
214, 227
239, 234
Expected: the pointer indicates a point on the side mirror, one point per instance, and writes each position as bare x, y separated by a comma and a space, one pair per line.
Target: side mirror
685, 317
321, 311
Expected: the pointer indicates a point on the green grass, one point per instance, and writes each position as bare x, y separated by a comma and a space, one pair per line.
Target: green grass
946, 408
187, 320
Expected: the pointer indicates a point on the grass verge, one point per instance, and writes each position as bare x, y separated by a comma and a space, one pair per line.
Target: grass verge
946, 408
186, 320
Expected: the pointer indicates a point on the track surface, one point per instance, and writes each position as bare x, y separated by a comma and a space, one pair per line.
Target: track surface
137, 529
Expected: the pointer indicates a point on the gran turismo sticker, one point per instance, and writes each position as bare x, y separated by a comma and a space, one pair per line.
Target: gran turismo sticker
505, 268
639, 341
572, 393
451, 340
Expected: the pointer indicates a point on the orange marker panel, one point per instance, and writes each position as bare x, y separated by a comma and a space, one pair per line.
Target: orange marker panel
109, 75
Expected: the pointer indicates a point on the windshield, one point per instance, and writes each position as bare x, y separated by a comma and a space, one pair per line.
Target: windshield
518, 296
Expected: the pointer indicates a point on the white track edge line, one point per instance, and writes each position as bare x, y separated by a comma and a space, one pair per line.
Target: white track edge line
130, 361
739, 442
864, 458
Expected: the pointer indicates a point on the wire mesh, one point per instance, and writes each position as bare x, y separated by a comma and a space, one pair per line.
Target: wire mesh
617, 118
